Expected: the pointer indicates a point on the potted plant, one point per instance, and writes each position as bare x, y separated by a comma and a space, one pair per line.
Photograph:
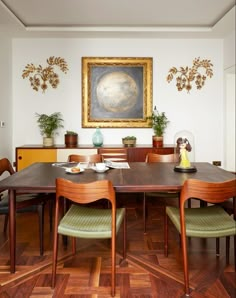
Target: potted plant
129, 141
159, 122
48, 125
71, 139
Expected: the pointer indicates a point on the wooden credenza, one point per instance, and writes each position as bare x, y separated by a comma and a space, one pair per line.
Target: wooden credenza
28, 154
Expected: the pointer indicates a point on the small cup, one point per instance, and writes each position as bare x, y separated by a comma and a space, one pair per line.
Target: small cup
100, 166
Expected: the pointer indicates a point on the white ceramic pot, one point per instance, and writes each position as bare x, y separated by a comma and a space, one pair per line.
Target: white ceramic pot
48, 142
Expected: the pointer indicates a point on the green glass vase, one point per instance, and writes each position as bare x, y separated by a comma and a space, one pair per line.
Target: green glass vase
97, 138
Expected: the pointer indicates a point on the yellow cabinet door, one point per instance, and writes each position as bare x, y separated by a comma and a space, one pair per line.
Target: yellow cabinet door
26, 157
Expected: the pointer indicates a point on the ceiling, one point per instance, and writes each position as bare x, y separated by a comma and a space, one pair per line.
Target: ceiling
113, 18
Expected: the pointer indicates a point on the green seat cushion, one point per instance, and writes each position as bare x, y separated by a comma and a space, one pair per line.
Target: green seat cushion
204, 222
85, 222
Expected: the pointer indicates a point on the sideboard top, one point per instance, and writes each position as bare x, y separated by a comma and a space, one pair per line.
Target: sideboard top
62, 146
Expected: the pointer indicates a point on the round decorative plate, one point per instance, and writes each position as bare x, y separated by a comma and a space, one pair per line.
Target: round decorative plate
74, 171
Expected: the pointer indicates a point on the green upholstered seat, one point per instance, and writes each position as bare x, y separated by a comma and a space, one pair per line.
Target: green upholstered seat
85, 222
204, 222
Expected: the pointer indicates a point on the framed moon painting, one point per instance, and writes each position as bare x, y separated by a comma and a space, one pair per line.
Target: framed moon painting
116, 92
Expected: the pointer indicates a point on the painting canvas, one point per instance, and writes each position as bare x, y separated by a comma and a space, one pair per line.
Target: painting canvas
116, 92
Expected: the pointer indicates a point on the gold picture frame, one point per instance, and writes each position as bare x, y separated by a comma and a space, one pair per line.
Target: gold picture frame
116, 92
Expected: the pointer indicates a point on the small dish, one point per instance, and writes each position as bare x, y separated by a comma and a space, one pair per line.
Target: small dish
100, 171
70, 171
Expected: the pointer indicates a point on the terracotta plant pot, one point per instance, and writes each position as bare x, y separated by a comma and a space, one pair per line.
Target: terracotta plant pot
157, 141
71, 141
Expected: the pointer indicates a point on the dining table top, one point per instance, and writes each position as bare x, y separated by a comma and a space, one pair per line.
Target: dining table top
139, 177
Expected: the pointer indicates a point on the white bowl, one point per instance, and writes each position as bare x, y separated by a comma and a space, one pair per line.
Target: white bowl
100, 171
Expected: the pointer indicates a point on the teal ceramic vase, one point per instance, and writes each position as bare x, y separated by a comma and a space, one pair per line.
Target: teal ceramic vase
97, 138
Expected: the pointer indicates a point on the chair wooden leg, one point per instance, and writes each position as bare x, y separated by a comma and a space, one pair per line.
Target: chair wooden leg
218, 247
144, 213
124, 237
54, 258
50, 213
227, 249
6, 219
74, 245
41, 227
165, 234
185, 263
55, 246
189, 206
235, 253
113, 265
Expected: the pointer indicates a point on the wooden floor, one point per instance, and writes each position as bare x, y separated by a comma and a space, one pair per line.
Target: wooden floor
147, 273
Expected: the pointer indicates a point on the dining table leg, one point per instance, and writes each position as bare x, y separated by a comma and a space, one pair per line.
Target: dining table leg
12, 229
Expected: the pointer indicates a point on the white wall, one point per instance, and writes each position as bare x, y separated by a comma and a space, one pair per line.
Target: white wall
229, 50
199, 112
229, 108
6, 97
230, 160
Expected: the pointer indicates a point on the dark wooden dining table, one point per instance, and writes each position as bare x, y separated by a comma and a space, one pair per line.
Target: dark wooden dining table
140, 177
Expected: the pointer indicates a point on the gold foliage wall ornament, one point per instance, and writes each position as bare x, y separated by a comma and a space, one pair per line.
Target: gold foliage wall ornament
186, 76
40, 77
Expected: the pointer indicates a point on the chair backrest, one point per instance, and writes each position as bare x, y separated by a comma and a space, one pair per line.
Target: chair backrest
114, 154
5, 166
84, 193
85, 158
154, 157
211, 192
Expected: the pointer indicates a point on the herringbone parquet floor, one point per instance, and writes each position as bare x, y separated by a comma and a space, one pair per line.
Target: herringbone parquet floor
145, 274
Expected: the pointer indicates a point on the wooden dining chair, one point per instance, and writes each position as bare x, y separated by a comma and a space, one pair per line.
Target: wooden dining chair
152, 158
114, 154
93, 158
203, 222
24, 203
88, 222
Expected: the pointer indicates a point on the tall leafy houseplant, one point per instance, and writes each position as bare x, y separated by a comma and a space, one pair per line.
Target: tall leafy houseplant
48, 125
159, 122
